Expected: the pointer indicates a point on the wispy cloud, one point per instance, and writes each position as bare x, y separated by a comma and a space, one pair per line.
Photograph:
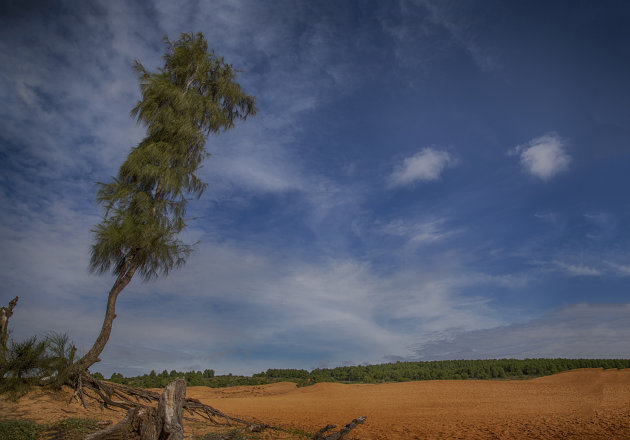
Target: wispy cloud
603, 225
431, 231
578, 269
548, 217
543, 157
452, 16
619, 269
574, 331
426, 165
341, 309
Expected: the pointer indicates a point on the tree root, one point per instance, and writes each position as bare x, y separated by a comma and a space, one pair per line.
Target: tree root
144, 420
112, 395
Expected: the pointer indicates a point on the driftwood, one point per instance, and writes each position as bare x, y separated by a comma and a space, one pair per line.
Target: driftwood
113, 395
319, 435
5, 314
148, 423
144, 421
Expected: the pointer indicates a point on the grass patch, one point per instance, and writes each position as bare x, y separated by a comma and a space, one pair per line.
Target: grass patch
72, 428
237, 434
234, 434
300, 432
20, 430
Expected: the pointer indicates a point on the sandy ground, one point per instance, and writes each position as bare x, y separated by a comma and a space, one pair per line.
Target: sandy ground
582, 404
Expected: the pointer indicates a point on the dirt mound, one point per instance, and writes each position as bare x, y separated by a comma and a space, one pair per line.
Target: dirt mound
582, 404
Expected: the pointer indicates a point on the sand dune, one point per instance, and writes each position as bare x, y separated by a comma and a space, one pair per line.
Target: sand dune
581, 404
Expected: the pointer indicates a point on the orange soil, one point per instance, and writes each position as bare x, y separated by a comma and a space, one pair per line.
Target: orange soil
581, 404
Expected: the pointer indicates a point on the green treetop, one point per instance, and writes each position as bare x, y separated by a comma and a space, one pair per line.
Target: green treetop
192, 95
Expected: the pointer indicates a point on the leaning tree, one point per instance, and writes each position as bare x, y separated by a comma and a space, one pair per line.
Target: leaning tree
192, 95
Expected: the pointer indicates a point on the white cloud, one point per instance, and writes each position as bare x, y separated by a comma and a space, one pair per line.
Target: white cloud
426, 165
575, 331
543, 157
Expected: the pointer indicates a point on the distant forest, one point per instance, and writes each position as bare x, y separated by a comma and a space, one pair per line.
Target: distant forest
391, 372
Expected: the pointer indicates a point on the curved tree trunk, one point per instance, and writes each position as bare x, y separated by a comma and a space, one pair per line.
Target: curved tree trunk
92, 356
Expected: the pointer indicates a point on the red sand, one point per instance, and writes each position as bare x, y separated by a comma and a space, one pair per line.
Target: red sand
581, 404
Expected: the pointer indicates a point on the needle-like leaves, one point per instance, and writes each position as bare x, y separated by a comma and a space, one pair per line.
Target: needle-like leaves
192, 95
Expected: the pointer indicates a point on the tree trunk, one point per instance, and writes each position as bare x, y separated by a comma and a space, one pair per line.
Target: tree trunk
171, 410
145, 423
5, 314
92, 356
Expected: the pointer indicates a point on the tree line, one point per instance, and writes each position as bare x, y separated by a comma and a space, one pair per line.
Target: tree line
390, 372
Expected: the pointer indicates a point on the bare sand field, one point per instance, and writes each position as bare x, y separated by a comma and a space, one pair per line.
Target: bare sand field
581, 404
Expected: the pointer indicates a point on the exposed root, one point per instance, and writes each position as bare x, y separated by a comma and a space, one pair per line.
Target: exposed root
112, 395
138, 402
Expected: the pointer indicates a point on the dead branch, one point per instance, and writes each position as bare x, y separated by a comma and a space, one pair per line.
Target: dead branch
5, 314
319, 435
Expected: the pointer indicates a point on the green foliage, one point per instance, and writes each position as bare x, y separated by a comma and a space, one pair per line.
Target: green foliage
23, 365
60, 353
117, 378
276, 373
391, 372
192, 95
19, 430
33, 362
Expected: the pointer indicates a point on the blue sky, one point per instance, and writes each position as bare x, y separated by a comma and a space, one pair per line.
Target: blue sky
424, 180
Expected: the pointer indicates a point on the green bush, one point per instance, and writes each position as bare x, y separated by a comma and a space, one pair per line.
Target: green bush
22, 366
33, 362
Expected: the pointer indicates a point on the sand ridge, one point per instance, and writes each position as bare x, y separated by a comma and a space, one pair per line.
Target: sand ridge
581, 404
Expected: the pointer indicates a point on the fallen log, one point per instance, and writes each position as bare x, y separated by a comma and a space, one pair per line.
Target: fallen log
319, 435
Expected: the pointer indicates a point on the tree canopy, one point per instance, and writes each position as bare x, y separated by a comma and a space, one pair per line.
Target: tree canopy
192, 95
